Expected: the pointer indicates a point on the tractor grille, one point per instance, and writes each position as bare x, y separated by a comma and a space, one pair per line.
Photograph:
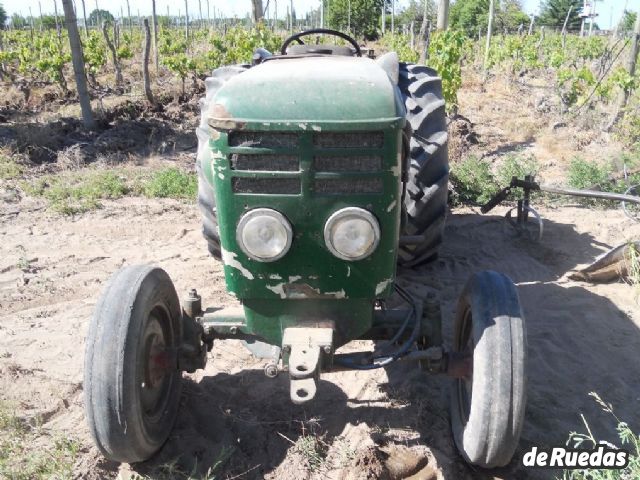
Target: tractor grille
272, 186
367, 163
263, 139
348, 140
310, 158
347, 185
266, 163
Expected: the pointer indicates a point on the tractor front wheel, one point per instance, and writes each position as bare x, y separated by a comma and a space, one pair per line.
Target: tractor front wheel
131, 376
487, 406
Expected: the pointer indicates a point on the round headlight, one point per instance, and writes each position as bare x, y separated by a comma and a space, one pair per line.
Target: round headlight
264, 234
352, 233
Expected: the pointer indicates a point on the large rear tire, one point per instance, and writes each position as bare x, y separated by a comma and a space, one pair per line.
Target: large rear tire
487, 408
206, 198
428, 177
131, 379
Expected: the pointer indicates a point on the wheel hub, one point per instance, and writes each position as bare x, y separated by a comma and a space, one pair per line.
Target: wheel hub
156, 368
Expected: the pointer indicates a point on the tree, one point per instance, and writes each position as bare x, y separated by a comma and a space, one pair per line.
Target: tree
471, 15
510, 16
3, 17
468, 15
363, 16
554, 12
98, 16
48, 22
415, 12
18, 21
628, 21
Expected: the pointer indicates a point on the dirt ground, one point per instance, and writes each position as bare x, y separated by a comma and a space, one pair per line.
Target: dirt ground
581, 337
394, 423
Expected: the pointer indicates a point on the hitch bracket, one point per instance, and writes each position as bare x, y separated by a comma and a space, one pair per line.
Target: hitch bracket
305, 349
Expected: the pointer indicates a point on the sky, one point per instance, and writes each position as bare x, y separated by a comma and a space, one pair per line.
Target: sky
610, 10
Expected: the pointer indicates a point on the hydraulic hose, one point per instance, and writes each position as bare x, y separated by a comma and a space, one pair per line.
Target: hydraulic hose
384, 360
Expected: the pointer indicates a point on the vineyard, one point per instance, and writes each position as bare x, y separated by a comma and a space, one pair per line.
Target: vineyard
586, 74
78, 203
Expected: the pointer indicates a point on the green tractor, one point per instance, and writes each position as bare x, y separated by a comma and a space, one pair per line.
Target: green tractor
320, 171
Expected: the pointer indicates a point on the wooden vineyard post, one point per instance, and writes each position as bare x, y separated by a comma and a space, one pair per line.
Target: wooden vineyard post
114, 54
145, 63
443, 15
155, 36
186, 17
488, 44
564, 28
78, 64
631, 68
84, 17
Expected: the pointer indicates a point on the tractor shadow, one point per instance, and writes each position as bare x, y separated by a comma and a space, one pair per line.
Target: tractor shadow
578, 342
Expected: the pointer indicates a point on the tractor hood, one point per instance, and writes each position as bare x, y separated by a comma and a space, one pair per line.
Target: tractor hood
314, 89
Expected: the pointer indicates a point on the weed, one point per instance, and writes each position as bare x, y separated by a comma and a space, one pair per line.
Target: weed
584, 174
633, 268
173, 471
473, 181
516, 166
628, 130
77, 192
312, 449
21, 459
9, 169
519, 166
171, 183
589, 175
23, 261
626, 436
8, 419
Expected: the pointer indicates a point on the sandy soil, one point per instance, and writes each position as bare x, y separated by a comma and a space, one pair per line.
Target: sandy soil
383, 424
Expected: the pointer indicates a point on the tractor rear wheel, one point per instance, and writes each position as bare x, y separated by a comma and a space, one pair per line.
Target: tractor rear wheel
206, 198
428, 176
487, 406
131, 379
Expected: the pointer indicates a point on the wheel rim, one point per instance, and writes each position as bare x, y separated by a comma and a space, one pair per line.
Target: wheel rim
464, 386
156, 372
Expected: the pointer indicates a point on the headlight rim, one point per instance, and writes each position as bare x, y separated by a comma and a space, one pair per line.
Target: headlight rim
270, 212
361, 213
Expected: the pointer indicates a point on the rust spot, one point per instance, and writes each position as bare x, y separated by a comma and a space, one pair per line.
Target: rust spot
221, 119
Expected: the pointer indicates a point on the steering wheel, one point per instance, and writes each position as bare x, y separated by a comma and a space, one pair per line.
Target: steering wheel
335, 33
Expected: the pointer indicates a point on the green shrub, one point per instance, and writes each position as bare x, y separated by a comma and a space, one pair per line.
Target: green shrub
516, 166
628, 130
171, 183
473, 181
588, 174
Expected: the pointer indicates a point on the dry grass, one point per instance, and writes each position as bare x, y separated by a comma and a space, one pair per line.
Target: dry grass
555, 144
522, 129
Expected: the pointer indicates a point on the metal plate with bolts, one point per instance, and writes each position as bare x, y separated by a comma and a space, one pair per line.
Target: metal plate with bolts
305, 347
